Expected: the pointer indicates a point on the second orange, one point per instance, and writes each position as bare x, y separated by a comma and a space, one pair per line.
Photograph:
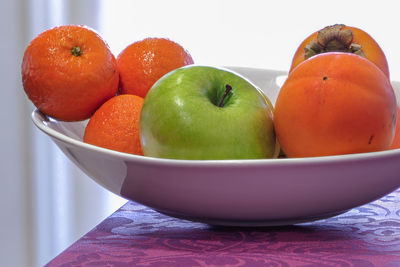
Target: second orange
142, 63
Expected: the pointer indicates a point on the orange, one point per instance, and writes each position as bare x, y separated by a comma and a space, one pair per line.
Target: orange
115, 125
396, 139
341, 38
68, 72
335, 103
142, 63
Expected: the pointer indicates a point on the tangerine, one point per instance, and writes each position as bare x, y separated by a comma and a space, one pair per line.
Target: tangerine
115, 125
143, 62
68, 72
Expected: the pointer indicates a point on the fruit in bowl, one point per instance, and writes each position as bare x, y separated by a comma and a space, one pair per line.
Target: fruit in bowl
143, 62
227, 117
203, 112
337, 98
115, 125
196, 112
334, 104
341, 38
68, 72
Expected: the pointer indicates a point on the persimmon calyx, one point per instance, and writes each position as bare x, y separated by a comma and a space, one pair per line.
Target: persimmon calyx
333, 39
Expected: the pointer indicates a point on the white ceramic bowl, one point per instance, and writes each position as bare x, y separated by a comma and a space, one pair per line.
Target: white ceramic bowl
235, 192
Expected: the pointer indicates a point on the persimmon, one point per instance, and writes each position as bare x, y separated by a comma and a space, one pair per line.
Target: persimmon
335, 103
341, 38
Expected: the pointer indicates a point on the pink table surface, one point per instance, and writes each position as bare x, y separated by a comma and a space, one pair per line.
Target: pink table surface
137, 236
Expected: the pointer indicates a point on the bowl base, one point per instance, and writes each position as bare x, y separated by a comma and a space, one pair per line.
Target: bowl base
252, 223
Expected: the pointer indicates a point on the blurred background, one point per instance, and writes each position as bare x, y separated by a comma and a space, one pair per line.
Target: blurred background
46, 202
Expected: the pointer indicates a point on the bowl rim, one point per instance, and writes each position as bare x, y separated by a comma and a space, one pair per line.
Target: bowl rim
39, 119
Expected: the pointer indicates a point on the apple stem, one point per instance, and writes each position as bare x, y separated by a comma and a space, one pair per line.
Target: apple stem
228, 88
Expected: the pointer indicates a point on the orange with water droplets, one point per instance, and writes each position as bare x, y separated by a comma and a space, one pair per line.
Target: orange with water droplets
115, 125
68, 72
143, 62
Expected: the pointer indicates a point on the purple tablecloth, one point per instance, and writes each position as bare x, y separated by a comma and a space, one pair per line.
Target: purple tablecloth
138, 236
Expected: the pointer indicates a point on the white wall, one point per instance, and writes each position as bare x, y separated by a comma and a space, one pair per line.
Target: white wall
14, 162
255, 33
46, 202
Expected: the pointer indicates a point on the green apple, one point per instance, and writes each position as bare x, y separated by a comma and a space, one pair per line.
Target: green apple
281, 154
202, 112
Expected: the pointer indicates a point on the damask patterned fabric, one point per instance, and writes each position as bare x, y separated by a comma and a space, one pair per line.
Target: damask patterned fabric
138, 236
